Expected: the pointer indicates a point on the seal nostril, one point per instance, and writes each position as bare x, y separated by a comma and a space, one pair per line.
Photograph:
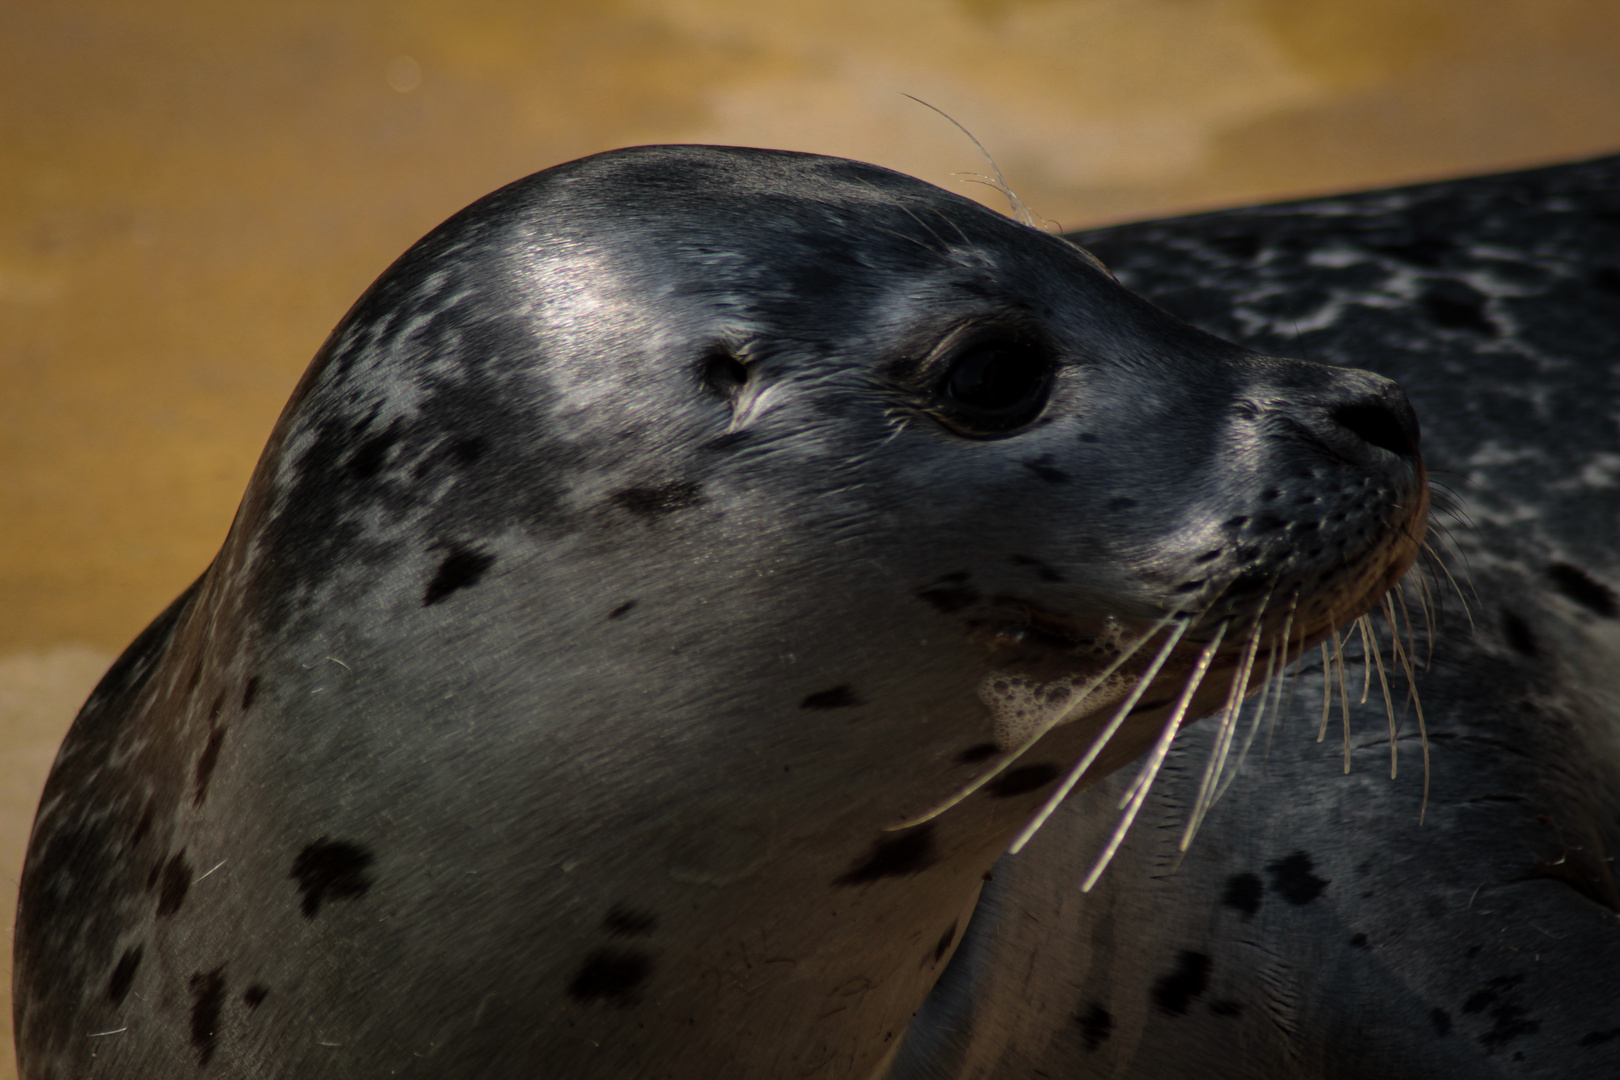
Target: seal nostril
1381, 426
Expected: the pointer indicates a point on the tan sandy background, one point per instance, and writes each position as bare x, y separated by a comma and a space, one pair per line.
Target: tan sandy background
192, 192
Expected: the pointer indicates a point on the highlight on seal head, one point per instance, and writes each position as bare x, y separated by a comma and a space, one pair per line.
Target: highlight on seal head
673, 584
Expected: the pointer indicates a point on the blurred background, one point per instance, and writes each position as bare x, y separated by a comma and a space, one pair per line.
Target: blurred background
192, 192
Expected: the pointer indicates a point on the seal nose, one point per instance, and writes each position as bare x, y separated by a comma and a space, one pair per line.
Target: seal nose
1386, 421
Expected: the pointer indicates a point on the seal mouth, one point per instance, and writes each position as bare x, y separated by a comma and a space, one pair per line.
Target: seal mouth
1221, 650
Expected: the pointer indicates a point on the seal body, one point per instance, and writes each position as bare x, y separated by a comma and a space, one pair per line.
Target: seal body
1315, 928
646, 544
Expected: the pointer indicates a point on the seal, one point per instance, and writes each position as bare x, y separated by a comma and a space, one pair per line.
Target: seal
1328, 923
669, 590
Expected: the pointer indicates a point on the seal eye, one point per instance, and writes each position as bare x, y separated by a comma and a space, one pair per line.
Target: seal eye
995, 385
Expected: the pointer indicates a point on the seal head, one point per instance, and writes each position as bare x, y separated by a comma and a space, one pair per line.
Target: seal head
648, 539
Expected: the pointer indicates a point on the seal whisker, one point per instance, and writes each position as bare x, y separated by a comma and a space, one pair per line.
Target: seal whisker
1327, 692
1293, 682
1344, 694
1277, 660
1434, 555
1020, 211
1414, 700
1102, 739
1144, 780
1364, 625
1223, 740
1007, 757
1383, 682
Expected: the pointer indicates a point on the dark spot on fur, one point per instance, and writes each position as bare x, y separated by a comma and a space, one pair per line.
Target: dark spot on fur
1582, 588
1510, 1020
655, 502
949, 598
976, 753
142, 827
1242, 247
1426, 251
622, 610
1096, 1024
1598, 1038
611, 975
254, 995
1120, 502
466, 451
944, 943
249, 692
194, 678
1226, 1008
173, 882
205, 765
1025, 778
1244, 892
461, 569
1456, 305
330, 869
1606, 278
1149, 706
207, 998
1043, 468
216, 708
1292, 877
1042, 570
622, 921
909, 853
1441, 1021
1359, 941
367, 460
123, 975
1174, 991
1088, 437
1517, 634
839, 697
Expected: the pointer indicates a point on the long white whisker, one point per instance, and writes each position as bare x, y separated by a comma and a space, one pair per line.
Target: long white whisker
1144, 781
1383, 682
1223, 740
1274, 665
1327, 692
1364, 625
1101, 741
1344, 694
997, 767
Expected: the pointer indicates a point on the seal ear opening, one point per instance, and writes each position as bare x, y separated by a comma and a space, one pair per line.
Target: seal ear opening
723, 373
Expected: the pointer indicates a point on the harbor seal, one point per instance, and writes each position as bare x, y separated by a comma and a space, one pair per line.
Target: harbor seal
668, 591
1316, 928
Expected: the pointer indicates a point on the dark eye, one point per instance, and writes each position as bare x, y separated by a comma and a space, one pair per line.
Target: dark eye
995, 385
